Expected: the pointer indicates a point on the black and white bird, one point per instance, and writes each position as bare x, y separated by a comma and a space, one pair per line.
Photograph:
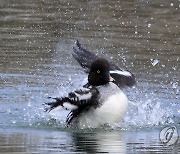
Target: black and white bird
101, 101
122, 78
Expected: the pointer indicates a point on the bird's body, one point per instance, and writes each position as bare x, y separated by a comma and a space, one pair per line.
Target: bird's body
101, 101
112, 105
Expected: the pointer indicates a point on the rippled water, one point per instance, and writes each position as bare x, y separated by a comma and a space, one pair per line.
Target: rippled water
35, 62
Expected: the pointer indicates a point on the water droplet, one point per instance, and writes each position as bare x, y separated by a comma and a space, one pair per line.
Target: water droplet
174, 85
14, 121
174, 68
154, 62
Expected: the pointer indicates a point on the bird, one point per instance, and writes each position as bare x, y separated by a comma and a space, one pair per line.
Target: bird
101, 100
123, 77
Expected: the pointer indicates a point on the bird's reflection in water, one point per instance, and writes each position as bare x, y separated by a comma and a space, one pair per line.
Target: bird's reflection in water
99, 142
63, 141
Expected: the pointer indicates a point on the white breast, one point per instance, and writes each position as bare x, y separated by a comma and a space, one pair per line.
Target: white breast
111, 111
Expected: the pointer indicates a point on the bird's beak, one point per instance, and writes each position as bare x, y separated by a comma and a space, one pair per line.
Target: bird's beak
111, 79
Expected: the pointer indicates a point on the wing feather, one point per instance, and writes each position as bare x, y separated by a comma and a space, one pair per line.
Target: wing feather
74, 100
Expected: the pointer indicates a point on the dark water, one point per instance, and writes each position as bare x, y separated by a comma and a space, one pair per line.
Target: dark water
35, 62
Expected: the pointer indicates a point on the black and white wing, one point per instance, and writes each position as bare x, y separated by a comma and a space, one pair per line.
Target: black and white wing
123, 78
75, 100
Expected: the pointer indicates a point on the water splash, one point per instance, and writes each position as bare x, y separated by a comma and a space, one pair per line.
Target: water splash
146, 113
154, 62
142, 113
146, 109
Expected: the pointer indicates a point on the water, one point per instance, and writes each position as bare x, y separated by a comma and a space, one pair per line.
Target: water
36, 62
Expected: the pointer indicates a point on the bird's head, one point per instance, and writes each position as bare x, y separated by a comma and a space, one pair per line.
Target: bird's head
99, 73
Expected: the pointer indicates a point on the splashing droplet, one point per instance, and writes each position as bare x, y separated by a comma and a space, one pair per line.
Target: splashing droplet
149, 25
174, 85
154, 62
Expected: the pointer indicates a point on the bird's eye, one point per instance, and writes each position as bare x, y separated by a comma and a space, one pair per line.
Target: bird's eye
98, 71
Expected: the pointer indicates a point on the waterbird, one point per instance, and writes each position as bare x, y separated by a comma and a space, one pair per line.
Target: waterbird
123, 78
100, 101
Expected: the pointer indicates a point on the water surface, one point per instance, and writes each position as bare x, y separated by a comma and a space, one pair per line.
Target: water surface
35, 62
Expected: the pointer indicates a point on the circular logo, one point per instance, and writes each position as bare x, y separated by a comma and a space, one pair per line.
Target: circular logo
169, 135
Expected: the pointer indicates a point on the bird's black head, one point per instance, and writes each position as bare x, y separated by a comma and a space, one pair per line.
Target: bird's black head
99, 73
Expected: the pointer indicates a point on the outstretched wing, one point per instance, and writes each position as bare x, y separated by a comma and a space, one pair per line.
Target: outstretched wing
75, 100
83, 56
123, 78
